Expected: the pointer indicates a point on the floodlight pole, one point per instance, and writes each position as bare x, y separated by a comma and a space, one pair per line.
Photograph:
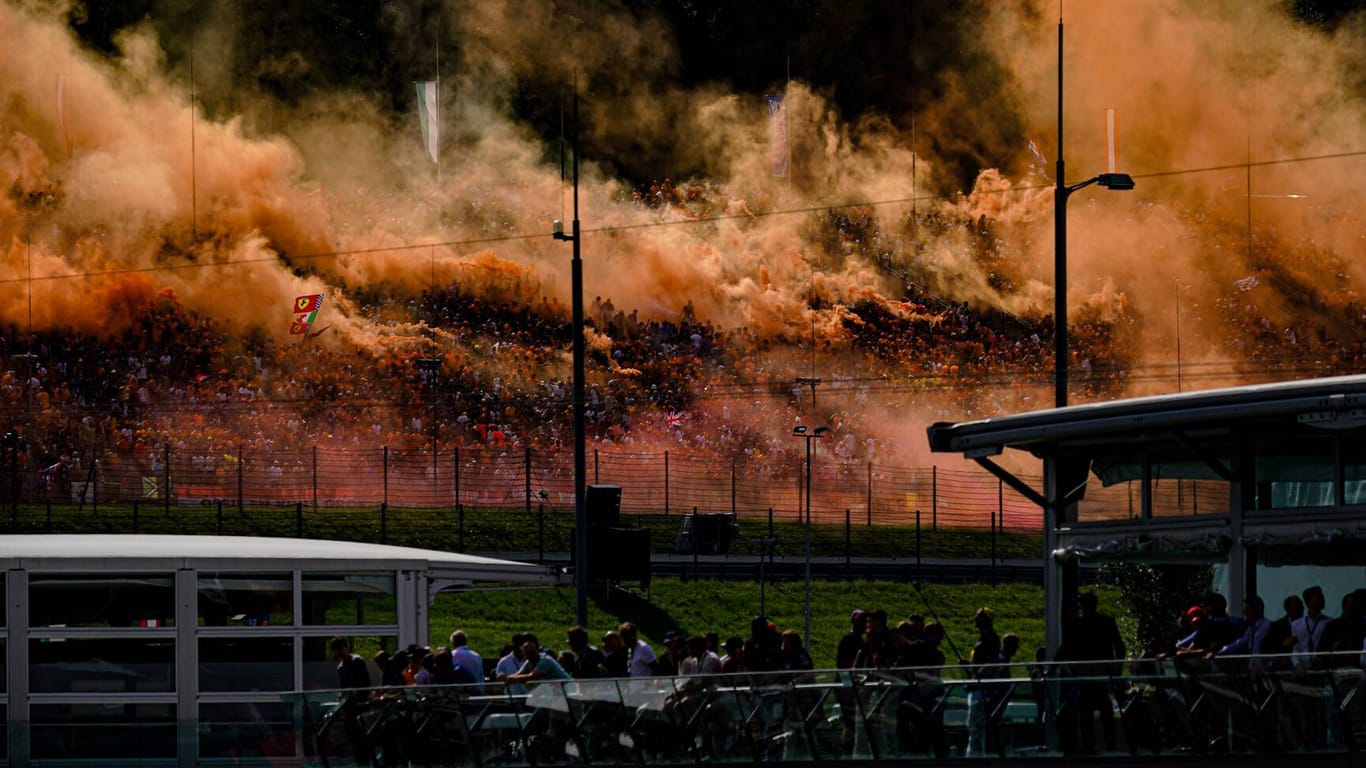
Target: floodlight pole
808, 435
1063, 191
1060, 578
580, 450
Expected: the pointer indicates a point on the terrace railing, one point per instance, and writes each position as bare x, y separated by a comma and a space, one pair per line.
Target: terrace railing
1225, 708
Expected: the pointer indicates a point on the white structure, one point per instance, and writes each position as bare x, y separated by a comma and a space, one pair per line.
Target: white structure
174, 650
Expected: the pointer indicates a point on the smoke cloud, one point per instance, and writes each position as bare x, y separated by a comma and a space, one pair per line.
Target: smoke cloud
1239, 124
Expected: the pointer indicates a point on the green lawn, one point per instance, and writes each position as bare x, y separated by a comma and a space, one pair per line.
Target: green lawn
490, 618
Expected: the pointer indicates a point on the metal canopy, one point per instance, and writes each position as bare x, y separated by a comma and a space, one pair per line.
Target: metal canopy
1328, 403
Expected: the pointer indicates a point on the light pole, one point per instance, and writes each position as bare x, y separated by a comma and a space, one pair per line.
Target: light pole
580, 449
808, 435
1112, 181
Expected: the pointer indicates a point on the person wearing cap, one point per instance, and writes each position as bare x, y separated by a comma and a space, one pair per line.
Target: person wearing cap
670, 662
1202, 639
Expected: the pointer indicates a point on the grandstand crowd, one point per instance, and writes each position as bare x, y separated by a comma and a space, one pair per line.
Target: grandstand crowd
167, 377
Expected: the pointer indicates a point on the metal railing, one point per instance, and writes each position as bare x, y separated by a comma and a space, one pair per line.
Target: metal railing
1230, 706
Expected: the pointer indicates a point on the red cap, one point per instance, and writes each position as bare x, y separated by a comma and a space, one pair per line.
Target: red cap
1194, 611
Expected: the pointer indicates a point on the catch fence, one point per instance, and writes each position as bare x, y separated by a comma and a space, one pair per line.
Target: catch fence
665, 483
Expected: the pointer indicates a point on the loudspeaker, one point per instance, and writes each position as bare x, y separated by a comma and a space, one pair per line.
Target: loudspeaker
602, 503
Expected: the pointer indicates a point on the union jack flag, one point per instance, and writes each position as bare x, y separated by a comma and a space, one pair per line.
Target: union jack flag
674, 418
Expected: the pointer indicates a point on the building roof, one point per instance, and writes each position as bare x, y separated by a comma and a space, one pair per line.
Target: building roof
1329, 403
124, 552
1341, 398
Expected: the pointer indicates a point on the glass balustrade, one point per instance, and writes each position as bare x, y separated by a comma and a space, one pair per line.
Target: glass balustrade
1225, 706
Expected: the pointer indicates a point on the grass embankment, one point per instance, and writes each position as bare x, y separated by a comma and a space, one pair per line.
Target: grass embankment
484, 530
490, 618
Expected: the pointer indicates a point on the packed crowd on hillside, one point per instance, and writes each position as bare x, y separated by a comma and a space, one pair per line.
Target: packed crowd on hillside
171, 378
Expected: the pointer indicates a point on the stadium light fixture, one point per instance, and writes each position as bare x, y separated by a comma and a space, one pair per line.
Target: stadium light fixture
808, 434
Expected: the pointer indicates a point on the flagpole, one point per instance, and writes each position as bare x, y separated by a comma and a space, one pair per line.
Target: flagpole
194, 202
437, 45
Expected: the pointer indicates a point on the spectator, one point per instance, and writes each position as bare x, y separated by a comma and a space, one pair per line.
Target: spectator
641, 657
1308, 630
615, 656
511, 663
1090, 636
986, 653
853, 646
537, 665
792, 653
734, 660
701, 660
588, 659
465, 657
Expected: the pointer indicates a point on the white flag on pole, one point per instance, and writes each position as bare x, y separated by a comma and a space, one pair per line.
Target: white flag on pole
61, 107
1040, 164
777, 129
1111, 140
429, 117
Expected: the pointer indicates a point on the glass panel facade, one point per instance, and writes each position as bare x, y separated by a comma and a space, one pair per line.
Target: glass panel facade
1295, 472
103, 731
246, 599
106, 665
320, 667
332, 599
101, 600
1354, 468
246, 730
246, 664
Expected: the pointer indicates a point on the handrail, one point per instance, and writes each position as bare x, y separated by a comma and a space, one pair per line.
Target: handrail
1238, 705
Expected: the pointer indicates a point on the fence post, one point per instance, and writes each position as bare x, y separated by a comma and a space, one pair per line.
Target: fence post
384, 465
692, 534
595, 471
298, 519
241, 508
917, 548
870, 494
166, 473
455, 500
934, 498
848, 552
997, 514
540, 532
384, 522
315, 479
732, 488
526, 472
666, 488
